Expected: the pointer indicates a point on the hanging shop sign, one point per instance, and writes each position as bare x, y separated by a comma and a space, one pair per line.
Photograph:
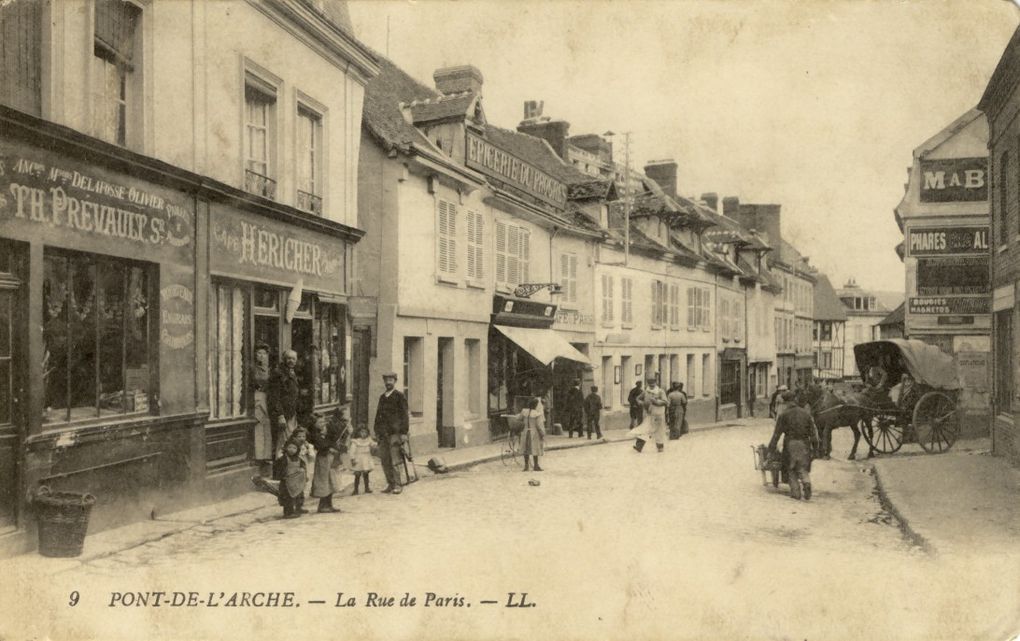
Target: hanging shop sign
936, 241
948, 305
41, 192
525, 313
954, 276
954, 180
493, 161
261, 249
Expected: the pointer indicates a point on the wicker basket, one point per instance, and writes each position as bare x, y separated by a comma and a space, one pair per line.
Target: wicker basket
63, 521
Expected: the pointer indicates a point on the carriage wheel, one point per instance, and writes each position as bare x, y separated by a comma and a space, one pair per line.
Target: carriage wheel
936, 422
882, 432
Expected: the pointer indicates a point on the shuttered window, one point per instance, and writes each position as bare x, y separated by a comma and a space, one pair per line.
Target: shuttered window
568, 277
446, 251
607, 298
674, 306
475, 246
627, 300
20, 55
513, 254
738, 323
724, 318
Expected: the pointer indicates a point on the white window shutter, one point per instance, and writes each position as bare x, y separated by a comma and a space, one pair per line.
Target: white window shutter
471, 265
513, 247
444, 246
501, 258
525, 254
452, 239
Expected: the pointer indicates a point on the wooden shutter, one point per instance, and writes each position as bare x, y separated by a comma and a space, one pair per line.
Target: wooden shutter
447, 249
477, 239
525, 254
20, 55
501, 257
513, 259
573, 277
471, 259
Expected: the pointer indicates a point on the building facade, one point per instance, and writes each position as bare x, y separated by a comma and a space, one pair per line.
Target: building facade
865, 309
829, 331
944, 216
171, 204
1001, 104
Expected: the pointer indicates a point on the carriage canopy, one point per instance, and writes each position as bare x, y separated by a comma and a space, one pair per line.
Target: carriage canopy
926, 363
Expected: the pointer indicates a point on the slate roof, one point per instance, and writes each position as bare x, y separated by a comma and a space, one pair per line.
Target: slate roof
828, 307
536, 151
383, 95
442, 108
596, 189
895, 317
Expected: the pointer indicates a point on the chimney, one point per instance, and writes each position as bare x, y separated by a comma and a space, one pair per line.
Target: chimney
731, 207
663, 172
711, 199
533, 109
553, 132
450, 80
765, 219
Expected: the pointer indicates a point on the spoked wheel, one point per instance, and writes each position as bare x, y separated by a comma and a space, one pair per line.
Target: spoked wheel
510, 449
936, 422
882, 432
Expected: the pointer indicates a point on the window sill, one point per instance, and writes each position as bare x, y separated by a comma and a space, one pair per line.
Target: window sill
609, 325
627, 326
503, 288
675, 328
656, 328
475, 284
448, 280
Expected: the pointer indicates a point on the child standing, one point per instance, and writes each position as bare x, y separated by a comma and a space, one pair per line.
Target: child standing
361, 458
292, 481
326, 478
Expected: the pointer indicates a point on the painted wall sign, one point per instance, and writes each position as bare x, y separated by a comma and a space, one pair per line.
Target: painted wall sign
954, 180
936, 241
948, 305
42, 190
953, 276
574, 317
177, 316
489, 159
263, 249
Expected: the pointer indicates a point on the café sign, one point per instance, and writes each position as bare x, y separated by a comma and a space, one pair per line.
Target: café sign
493, 161
954, 180
938, 241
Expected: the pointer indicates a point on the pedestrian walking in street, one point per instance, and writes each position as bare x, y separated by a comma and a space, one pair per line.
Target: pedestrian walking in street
774, 408
292, 482
593, 412
391, 424
361, 459
574, 404
327, 437
800, 438
653, 426
533, 436
677, 411
636, 409
283, 395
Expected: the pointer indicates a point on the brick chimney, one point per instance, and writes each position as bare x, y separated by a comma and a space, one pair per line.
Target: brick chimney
663, 172
765, 220
711, 199
731, 207
554, 132
450, 80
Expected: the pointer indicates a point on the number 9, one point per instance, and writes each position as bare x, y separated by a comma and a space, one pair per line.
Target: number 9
74, 599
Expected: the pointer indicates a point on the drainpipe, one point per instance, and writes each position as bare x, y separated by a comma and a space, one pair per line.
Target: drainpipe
715, 348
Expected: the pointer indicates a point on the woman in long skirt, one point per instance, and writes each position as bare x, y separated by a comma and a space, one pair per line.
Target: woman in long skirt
533, 438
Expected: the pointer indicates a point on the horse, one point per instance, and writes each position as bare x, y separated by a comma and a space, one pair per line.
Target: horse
830, 411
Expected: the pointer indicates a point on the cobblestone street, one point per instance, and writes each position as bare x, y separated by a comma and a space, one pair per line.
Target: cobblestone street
595, 546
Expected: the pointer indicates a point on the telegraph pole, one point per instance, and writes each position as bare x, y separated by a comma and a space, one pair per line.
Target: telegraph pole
626, 193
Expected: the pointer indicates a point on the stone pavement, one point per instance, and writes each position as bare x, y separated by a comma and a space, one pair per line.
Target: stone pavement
957, 502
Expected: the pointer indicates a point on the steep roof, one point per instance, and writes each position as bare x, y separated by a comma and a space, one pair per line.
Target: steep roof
896, 316
827, 305
382, 116
452, 106
536, 151
594, 189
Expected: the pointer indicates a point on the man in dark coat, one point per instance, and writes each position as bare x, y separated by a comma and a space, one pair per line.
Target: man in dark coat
575, 410
637, 410
593, 412
801, 438
283, 395
391, 427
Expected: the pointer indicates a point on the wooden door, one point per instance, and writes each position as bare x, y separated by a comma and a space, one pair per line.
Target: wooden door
11, 394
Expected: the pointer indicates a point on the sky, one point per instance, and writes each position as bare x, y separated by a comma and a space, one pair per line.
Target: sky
813, 105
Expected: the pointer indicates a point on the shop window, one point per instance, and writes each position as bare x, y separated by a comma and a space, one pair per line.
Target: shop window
475, 246
414, 373
446, 250
328, 383
568, 277
474, 361
309, 158
21, 55
259, 136
513, 254
96, 333
627, 300
228, 351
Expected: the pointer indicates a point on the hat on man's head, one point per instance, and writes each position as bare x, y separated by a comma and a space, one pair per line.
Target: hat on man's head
262, 345
390, 374
788, 396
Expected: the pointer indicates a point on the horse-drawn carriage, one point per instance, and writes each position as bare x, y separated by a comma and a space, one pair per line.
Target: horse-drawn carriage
924, 407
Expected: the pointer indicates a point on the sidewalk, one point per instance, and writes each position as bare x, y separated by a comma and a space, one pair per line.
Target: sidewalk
254, 506
956, 502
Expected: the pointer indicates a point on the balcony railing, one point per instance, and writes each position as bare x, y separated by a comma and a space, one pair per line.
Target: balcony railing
309, 202
259, 185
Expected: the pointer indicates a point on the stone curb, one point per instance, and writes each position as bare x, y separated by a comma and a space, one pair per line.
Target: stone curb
908, 532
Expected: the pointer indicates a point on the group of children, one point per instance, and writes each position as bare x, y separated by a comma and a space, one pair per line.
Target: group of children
330, 440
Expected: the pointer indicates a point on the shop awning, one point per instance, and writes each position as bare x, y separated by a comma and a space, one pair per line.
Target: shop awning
544, 344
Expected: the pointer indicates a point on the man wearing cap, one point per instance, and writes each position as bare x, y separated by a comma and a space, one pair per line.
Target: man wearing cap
654, 401
800, 440
391, 426
283, 394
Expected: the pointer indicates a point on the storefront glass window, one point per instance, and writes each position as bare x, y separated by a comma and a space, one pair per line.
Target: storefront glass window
330, 339
96, 333
228, 352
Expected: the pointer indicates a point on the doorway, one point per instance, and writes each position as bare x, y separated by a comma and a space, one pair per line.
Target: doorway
446, 433
361, 346
12, 377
